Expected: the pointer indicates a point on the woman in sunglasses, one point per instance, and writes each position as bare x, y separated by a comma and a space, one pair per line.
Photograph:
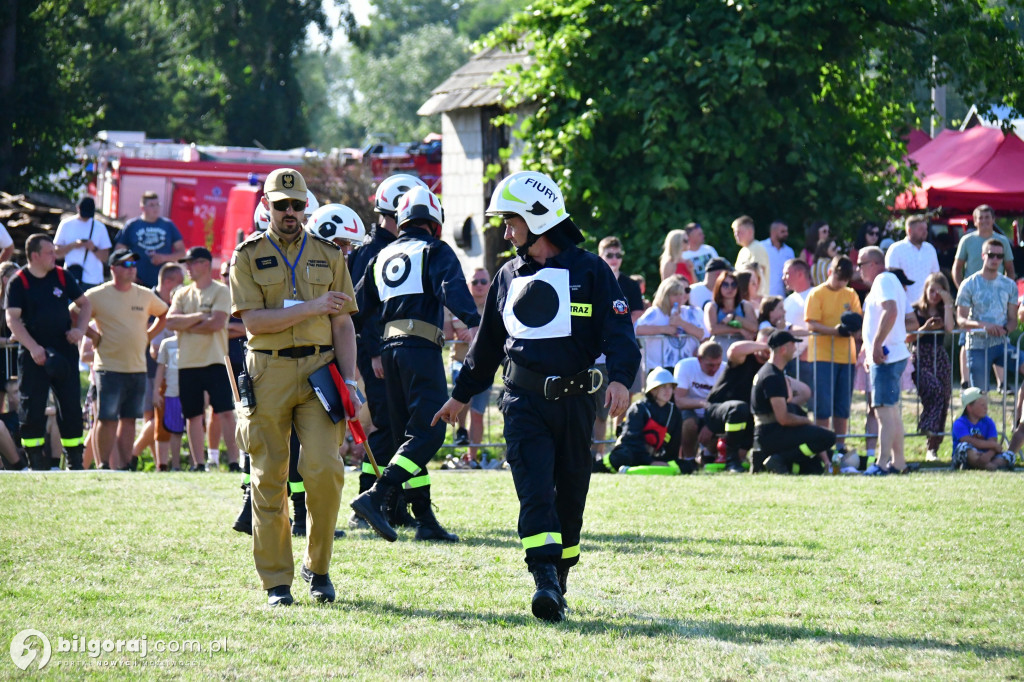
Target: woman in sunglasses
728, 317
869, 234
671, 326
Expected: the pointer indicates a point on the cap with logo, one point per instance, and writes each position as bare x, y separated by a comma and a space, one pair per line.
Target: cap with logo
119, 256
285, 183
197, 253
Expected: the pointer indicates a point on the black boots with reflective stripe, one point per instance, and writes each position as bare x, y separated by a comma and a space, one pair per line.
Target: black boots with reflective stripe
397, 509
548, 603
429, 527
370, 507
563, 579
243, 524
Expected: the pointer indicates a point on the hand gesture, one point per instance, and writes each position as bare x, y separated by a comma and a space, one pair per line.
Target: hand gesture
449, 412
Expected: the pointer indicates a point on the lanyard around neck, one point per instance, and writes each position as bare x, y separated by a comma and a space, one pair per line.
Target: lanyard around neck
291, 266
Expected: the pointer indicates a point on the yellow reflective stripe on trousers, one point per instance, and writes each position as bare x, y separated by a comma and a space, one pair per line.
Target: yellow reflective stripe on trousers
407, 464
541, 539
806, 449
32, 442
72, 442
246, 479
607, 461
417, 482
368, 469
735, 426
296, 487
570, 552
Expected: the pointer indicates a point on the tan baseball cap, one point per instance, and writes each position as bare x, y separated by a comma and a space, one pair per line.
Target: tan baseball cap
285, 183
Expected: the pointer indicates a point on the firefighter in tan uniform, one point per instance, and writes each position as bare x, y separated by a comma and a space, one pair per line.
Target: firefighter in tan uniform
294, 294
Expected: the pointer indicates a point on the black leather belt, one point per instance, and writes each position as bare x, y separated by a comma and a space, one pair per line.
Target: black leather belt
554, 387
296, 351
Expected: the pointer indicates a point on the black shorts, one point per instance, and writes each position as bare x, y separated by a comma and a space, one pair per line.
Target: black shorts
213, 380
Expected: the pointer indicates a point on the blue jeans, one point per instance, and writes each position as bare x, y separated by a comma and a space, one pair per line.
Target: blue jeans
885, 383
833, 389
979, 360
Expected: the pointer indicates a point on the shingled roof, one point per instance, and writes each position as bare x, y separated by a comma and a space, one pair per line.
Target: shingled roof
469, 86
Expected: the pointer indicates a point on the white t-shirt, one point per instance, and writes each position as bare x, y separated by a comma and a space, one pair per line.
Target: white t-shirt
699, 259
916, 263
795, 304
168, 356
690, 376
70, 231
5, 237
666, 351
700, 294
886, 287
778, 258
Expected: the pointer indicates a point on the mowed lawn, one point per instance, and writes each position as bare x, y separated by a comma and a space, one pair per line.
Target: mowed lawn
701, 577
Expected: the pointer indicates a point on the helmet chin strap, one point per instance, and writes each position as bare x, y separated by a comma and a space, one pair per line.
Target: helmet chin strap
531, 239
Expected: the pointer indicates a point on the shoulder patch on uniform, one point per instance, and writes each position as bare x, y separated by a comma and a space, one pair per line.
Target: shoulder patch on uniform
249, 241
620, 307
324, 241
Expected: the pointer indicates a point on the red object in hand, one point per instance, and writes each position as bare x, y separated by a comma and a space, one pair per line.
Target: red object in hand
358, 435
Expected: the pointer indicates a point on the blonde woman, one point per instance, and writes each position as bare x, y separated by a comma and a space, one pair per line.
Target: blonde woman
674, 327
672, 261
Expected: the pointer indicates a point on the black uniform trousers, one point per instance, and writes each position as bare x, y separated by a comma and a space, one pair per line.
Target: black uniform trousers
67, 390
787, 446
734, 419
548, 451
416, 390
381, 441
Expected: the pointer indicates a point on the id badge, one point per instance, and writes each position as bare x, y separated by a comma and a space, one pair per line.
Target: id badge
289, 302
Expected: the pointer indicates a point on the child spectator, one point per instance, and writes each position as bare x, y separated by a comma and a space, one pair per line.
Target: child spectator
649, 443
975, 438
933, 312
170, 423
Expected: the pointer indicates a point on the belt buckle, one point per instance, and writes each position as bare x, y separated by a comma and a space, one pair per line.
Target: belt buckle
596, 379
550, 389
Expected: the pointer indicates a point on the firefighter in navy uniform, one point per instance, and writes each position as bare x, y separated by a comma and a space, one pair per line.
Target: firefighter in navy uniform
550, 313
410, 282
38, 299
368, 361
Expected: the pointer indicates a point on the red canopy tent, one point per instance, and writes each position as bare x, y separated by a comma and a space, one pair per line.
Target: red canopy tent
959, 170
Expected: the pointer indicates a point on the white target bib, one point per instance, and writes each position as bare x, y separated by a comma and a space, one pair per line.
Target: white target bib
537, 307
399, 269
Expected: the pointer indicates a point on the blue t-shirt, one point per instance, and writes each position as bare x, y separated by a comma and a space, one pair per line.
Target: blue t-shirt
148, 238
984, 429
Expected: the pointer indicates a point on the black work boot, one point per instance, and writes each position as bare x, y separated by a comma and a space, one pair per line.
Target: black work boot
547, 600
397, 509
733, 463
299, 520
243, 524
370, 507
74, 456
38, 459
563, 579
429, 527
321, 589
280, 596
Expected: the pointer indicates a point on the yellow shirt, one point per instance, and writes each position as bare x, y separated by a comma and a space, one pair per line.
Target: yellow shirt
826, 306
123, 318
261, 279
196, 349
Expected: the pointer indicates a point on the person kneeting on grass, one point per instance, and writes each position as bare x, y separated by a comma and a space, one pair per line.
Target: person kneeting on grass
651, 434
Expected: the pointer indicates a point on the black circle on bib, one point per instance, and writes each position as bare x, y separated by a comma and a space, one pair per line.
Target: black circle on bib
537, 305
396, 269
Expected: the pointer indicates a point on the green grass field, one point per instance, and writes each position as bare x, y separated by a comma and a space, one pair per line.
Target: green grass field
702, 577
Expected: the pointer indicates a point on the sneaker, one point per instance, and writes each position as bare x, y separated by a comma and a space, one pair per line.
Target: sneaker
875, 470
1009, 457
931, 456
234, 468
461, 437
198, 468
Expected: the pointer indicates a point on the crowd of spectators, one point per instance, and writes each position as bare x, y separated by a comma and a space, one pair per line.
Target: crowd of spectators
776, 340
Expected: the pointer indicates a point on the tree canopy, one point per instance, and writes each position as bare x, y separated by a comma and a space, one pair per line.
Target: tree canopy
657, 113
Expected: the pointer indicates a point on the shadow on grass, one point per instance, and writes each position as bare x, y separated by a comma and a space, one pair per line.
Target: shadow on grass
636, 542
635, 626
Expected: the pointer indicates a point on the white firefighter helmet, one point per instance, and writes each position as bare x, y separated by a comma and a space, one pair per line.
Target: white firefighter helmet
532, 196
419, 203
311, 204
390, 191
336, 221
657, 378
261, 217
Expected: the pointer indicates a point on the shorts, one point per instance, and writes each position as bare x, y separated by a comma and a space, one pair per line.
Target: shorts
212, 380
885, 383
599, 394
835, 389
692, 414
481, 400
147, 403
119, 395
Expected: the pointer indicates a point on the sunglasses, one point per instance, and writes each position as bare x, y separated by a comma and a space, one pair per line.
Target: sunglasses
614, 254
128, 263
995, 256
298, 205
481, 281
873, 233
729, 284
686, 289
